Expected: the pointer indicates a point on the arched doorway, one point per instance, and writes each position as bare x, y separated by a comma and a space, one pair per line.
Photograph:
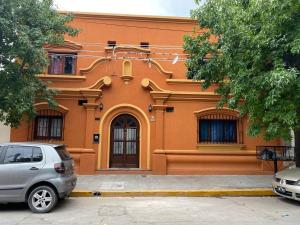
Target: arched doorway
124, 142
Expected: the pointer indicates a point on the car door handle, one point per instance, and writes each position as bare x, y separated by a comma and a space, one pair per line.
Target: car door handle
34, 168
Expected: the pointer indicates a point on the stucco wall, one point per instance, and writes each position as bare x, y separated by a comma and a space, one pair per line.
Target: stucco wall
4, 133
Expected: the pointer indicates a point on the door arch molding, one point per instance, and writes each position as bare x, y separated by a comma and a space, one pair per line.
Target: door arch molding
104, 131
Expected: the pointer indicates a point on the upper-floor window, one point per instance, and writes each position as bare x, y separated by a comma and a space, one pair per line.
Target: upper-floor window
111, 43
48, 125
144, 44
62, 63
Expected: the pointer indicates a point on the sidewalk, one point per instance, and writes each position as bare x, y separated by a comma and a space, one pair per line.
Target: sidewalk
150, 185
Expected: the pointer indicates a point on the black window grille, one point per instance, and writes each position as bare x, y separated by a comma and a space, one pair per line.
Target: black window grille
219, 129
48, 125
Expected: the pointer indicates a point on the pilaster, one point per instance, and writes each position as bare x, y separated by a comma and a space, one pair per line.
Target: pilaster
90, 119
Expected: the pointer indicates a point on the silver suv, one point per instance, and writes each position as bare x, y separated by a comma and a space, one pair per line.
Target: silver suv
38, 174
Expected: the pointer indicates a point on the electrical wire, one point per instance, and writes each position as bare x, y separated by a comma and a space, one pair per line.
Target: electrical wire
129, 52
118, 58
131, 45
104, 45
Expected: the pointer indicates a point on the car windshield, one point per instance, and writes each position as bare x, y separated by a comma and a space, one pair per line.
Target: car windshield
63, 153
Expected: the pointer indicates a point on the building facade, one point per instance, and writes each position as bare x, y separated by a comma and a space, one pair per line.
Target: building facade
126, 106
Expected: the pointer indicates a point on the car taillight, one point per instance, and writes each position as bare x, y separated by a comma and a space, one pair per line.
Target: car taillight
60, 167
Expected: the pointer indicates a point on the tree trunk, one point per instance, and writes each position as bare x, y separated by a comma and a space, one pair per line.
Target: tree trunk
297, 147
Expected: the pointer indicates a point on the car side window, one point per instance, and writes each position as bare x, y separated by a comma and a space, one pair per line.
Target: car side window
18, 154
37, 154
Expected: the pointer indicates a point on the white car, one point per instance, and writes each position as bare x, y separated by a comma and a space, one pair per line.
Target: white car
286, 183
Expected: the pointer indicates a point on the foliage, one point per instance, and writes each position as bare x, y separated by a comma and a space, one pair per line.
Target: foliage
251, 49
25, 27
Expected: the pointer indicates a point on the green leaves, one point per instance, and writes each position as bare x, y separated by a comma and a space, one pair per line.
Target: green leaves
25, 27
257, 52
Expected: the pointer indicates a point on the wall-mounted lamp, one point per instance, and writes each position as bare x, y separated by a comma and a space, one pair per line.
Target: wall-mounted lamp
150, 108
100, 106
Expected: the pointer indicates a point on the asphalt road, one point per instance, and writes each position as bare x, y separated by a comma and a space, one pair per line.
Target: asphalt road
159, 211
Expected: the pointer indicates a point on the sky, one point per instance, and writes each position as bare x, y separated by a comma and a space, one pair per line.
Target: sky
137, 7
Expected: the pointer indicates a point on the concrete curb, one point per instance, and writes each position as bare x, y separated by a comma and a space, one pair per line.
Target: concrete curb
253, 192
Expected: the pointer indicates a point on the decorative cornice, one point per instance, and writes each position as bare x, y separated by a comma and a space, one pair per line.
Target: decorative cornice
159, 67
93, 91
159, 93
94, 64
79, 93
67, 44
191, 96
105, 81
151, 85
45, 105
61, 77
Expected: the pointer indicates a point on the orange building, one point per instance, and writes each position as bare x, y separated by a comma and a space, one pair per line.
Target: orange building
126, 106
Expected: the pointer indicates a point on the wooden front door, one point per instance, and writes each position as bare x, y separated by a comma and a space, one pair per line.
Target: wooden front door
124, 142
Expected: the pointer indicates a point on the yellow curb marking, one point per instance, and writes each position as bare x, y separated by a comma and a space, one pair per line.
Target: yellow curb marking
179, 193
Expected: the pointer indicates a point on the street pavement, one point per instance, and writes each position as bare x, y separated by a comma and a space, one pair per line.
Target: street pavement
159, 211
155, 182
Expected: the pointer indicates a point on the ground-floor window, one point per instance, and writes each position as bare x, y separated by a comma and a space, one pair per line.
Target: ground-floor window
48, 125
219, 129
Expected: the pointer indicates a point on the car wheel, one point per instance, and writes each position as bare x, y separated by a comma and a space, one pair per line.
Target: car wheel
42, 199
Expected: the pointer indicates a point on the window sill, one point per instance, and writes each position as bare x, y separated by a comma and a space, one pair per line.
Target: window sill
61, 77
221, 147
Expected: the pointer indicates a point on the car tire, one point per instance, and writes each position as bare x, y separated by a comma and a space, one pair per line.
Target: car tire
42, 199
